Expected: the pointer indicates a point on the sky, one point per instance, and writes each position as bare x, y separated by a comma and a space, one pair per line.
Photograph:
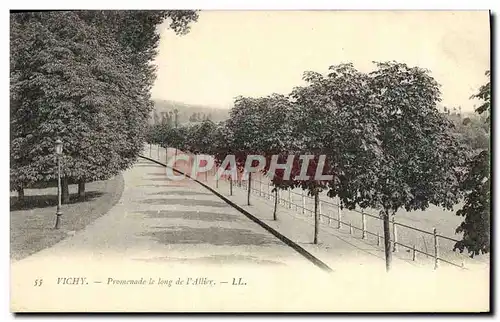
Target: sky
257, 53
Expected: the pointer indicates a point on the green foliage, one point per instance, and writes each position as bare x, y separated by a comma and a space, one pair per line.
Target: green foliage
477, 186
269, 117
484, 94
421, 159
386, 143
83, 77
330, 122
476, 210
385, 139
472, 131
199, 137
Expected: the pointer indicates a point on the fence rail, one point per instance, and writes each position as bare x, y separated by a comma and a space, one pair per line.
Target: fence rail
380, 237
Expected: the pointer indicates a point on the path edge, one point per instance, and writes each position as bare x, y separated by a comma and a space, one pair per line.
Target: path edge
299, 249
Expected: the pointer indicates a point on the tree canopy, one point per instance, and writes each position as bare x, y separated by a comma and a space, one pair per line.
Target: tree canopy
83, 77
383, 140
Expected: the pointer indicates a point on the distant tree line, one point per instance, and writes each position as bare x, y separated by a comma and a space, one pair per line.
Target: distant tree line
170, 118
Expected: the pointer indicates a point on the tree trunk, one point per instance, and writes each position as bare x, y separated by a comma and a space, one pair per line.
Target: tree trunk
387, 241
81, 189
20, 195
316, 216
249, 187
275, 203
65, 191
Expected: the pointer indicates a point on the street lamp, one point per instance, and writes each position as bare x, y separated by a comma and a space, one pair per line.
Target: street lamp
59, 150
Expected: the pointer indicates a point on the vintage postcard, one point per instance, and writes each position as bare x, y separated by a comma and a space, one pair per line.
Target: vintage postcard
250, 161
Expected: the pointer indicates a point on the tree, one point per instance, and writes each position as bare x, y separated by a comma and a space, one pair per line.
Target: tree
88, 84
392, 148
484, 94
477, 185
170, 119
272, 118
472, 131
320, 122
54, 86
176, 117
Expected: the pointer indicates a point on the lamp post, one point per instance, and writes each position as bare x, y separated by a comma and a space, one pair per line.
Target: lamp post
59, 150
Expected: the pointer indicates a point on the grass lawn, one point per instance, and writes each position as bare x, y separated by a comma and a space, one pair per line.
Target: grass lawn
32, 223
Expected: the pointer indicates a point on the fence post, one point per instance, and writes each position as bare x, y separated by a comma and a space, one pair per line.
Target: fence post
150, 150
289, 198
303, 203
249, 183
395, 233
436, 251
260, 187
378, 239
363, 223
158, 150
414, 254
339, 215
350, 228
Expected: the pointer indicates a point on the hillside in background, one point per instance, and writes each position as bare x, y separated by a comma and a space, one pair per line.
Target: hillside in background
188, 112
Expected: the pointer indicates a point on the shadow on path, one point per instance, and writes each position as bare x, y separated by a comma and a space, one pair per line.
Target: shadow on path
190, 215
212, 235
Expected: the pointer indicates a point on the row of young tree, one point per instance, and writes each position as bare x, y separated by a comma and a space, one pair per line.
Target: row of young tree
83, 77
387, 145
